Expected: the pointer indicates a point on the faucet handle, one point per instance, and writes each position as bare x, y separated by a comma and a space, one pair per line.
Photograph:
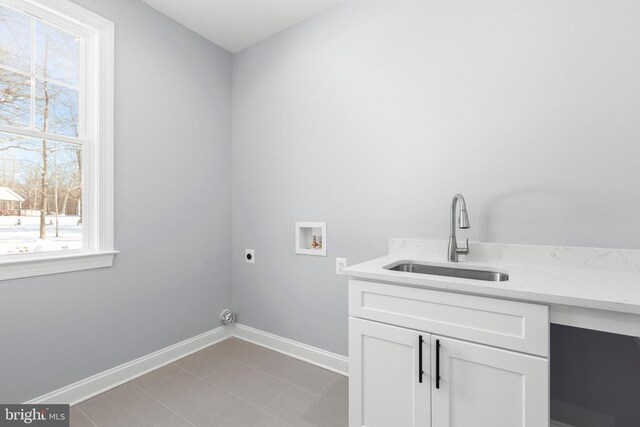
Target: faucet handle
464, 251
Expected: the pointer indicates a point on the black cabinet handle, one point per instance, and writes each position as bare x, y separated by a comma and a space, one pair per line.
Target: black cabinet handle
420, 360
437, 364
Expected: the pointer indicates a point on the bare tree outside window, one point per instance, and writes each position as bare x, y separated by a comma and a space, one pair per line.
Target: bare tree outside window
40, 180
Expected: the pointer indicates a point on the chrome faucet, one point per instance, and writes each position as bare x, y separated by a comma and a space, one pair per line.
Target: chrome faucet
463, 222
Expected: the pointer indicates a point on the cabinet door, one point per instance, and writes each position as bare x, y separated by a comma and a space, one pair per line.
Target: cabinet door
384, 376
482, 386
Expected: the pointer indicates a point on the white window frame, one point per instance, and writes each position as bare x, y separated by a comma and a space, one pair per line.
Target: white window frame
97, 83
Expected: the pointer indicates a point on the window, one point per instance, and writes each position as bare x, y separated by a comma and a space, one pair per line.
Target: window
56, 138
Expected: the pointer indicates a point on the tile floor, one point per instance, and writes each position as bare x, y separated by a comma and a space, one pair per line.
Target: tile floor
232, 383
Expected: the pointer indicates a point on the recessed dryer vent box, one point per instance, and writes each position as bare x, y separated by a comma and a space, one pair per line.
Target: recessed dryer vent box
305, 244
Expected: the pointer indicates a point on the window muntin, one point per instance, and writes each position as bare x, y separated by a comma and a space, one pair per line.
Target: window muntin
40, 92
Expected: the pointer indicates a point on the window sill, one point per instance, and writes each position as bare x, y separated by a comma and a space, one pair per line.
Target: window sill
54, 264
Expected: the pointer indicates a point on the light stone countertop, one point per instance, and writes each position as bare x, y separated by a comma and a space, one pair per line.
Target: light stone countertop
603, 279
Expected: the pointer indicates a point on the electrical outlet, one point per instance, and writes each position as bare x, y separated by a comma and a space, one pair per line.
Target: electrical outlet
341, 264
249, 256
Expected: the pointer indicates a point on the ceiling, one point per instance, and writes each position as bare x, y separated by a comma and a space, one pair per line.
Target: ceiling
236, 24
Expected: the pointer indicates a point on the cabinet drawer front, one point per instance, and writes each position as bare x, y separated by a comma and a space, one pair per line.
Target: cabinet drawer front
513, 325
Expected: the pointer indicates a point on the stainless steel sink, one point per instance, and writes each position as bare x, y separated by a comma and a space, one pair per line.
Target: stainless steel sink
463, 273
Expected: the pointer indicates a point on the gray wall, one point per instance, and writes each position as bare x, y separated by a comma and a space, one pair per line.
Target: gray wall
373, 114
172, 277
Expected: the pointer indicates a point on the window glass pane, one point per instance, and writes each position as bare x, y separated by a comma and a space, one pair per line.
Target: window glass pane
57, 54
15, 99
23, 196
56, 109
15, 40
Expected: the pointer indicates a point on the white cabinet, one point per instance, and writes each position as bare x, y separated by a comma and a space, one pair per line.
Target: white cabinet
384, 375
513, 325
479, 385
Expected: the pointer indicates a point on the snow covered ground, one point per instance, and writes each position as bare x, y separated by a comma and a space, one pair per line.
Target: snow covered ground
24, 237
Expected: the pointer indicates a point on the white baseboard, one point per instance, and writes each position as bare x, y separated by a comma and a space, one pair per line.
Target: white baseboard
314, 355
89, 387
104, 381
